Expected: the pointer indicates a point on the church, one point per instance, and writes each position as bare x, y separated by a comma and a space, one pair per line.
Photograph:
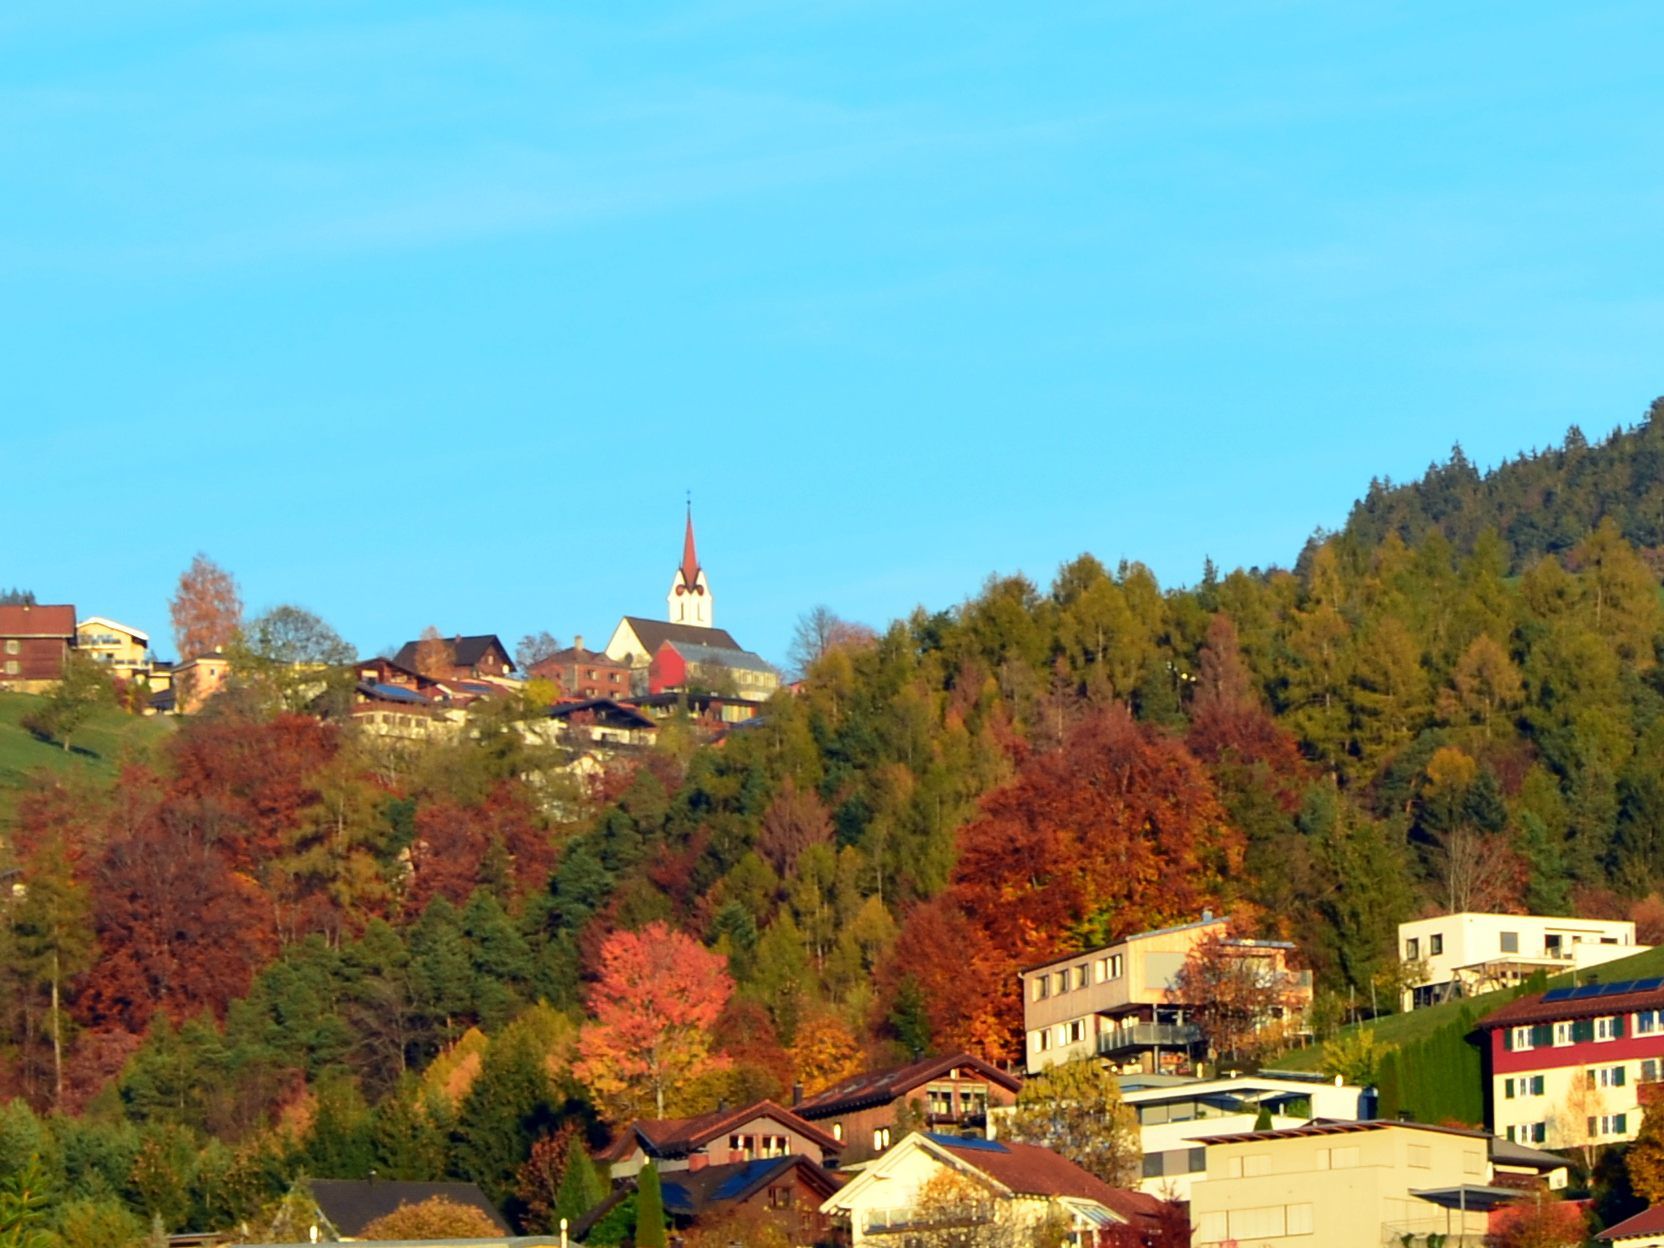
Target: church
686, 649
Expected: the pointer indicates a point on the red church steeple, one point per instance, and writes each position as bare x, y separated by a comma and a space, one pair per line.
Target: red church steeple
689, 600
690, 557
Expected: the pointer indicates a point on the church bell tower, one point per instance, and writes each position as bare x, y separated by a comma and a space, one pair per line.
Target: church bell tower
689, 600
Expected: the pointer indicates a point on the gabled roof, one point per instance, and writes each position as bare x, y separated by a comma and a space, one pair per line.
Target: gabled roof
692, 1193
654, 633
677, 1137
1029, 1170
463, 651
119, 627
877, 1087
612, 712
1647, 1222
1538, 1009
579, 656
720, 656
37, 621
352, 1204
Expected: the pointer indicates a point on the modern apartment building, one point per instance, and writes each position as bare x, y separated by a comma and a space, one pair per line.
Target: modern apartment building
1458, 955
1120, 1002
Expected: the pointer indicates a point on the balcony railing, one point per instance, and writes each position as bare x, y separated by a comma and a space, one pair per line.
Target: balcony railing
1149, 1036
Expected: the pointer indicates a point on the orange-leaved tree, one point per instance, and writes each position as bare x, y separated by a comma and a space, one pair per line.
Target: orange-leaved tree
1116, 832
206, 608
434, 1218
658, 997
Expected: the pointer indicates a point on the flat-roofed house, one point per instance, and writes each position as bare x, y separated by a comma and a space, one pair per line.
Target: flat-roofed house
1461, 955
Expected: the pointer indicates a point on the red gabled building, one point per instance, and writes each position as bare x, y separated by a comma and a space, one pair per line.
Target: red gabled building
35, 642
1573, 1066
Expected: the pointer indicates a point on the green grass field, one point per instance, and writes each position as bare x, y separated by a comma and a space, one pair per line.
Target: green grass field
99, 747
1405, 1029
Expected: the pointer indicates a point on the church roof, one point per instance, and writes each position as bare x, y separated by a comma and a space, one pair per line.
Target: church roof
654, 633
721, 656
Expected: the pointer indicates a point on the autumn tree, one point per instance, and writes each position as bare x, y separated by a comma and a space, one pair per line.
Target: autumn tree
658, 996
824, 1052
820, 630
1539, 1220
795, 820
433, 653
1075, 1108
293, 658
533, 648
434, 1218
1645, 1157
1234, 990
206, 609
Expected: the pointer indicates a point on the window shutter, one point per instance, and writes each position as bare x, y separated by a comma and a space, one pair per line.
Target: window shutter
1618, 1027
1617, 1076
1583, 1030
1508, 1039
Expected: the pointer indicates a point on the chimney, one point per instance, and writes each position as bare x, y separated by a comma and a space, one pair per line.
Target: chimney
578, 641
697, 1161
797, 1095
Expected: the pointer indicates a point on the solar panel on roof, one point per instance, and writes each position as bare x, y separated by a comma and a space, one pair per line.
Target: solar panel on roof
973, 1142
1650, 985
1557, 994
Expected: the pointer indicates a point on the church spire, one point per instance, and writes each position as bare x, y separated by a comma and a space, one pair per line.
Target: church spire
690, 557
689, 600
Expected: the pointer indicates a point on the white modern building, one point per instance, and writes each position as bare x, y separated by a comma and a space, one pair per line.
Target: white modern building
1460, 955
1174, 1115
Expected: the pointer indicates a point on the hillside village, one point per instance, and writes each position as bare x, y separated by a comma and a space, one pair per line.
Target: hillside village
1211, 937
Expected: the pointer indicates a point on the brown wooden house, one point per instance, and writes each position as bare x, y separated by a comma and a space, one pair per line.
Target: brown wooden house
35, 642
456, 658
785, 1191
762, 1131
945, 1094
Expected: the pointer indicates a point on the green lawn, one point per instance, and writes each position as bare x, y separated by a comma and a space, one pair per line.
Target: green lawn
99, 746
1404, 1029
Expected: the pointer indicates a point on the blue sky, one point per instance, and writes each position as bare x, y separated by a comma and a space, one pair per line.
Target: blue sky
422, 313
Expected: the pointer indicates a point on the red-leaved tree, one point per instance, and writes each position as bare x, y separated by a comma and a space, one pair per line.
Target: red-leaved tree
659, 995
206, 608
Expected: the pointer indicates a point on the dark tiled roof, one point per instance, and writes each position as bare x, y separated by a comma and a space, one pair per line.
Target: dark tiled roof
654, 633
578, 656
691, 1193
1030, 1170
352, 1204
1534, 1009
676, 1137
39, 621
1647, 1222
604, 709
880, 1086
464, 651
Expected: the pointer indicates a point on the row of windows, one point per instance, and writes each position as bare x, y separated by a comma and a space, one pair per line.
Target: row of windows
1412, 947
1608, 1124
1531, 1085
1528, 1133
1056, 983
1268, 1222
1071, 1032
1572, 1031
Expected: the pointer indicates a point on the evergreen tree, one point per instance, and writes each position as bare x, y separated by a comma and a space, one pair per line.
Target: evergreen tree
581, 1186
650, 1221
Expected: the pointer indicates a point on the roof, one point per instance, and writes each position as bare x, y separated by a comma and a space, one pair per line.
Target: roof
877, 1087
390, 693
654, 633
691, 1193
352, 1204
1337, 1128
463, 651
107, 622
1589, 1001
1029, 1170
37, 621
630, 717
578, 655
1647, 1222
721, 656
676, 1137
1523, 1157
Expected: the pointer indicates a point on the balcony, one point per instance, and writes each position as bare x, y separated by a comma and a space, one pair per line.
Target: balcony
1148, 1036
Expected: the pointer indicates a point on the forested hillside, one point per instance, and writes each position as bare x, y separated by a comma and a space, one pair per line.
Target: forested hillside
279, 948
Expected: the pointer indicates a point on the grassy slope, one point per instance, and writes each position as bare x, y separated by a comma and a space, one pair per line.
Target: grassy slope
1403, 1029
98, 747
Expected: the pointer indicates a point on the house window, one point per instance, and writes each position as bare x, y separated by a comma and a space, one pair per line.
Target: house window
1077, 1031
1080, 976
1649, 1070
13, 645
12, 668
1100, 968
1115, 962
1435, 944
1606, 1077
1510, 942
1562, 1035
838, 1132
1412, 949
1042, 988
1609, 1028
1060, 981
880, 1138
1522, 1039
1646, 1022
940, 1101
779, 1198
